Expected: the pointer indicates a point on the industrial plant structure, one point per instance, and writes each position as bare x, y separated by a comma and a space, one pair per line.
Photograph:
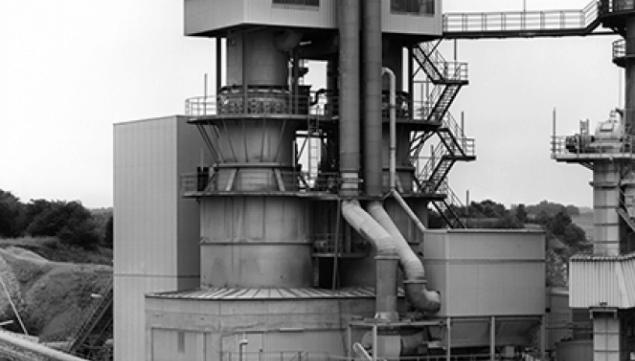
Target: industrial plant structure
281, 221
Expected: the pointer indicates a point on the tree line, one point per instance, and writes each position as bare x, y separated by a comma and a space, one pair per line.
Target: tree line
71, 222
554, 218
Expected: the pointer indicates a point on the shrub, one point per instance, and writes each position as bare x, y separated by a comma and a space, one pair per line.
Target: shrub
11, 215
69, 221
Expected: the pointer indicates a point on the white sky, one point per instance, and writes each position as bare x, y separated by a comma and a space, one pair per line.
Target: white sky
69, 69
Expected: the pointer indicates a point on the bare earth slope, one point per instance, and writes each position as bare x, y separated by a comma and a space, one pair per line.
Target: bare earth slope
52, 297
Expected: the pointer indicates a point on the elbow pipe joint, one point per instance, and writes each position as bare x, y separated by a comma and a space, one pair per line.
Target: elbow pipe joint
422, 298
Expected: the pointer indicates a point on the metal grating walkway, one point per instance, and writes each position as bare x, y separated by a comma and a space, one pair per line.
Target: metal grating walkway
519, 24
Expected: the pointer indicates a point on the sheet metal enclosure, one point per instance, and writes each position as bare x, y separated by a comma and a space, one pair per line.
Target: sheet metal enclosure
492, 284
203, 17
156, 232
482, 273
306, 323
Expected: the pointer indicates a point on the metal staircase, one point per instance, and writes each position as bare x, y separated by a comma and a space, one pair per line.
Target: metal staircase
453, 146
447, 207
93, 333
447, 77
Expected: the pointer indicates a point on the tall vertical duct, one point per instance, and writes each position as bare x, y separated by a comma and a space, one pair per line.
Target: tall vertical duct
372, 65
349, 24
629, 101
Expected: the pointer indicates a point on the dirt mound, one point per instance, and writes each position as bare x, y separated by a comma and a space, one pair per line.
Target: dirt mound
52, 297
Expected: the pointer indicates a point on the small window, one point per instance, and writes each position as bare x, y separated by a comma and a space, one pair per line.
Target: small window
298, 2
416, 7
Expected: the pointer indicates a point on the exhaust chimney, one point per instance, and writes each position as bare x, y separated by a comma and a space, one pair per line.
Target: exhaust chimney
349, 25
372, 65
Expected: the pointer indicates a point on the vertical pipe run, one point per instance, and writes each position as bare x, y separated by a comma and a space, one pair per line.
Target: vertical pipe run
448, 330
543, 338
375, 348
349, 92
492, 338
386, 284
392, 104
372, 63
219, 65
629, 100
411, 84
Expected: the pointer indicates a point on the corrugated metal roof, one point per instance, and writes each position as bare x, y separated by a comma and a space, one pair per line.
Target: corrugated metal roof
268, 293
602, 281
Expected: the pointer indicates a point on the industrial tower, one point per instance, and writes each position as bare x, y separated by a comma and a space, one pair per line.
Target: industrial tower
279, 221
602, 282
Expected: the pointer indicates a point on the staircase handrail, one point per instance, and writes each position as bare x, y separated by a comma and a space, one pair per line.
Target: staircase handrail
438, 153
465, 144
447, 70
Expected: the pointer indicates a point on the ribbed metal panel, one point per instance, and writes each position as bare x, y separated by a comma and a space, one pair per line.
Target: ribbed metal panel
473, 269
156, 231
599, 281
237, 294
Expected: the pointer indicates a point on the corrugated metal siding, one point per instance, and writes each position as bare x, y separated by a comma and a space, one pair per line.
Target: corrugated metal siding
145, 197
597, 281
190, 148
129, 315
483, 272
152, 243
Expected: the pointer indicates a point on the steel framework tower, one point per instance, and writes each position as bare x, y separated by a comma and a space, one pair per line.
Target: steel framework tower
603, 282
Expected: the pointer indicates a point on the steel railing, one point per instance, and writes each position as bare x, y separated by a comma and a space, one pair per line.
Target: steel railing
262, 100
435, 62
522, 21
293, 181
323, 356
567, 145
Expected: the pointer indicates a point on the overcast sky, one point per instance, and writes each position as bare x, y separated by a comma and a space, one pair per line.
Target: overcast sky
69, 69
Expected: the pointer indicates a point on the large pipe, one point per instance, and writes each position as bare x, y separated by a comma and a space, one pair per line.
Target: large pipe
392, 104
408, 210
349, 24
386, 260
416, 291
629, 71
37, 348
415, 284
372, 64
